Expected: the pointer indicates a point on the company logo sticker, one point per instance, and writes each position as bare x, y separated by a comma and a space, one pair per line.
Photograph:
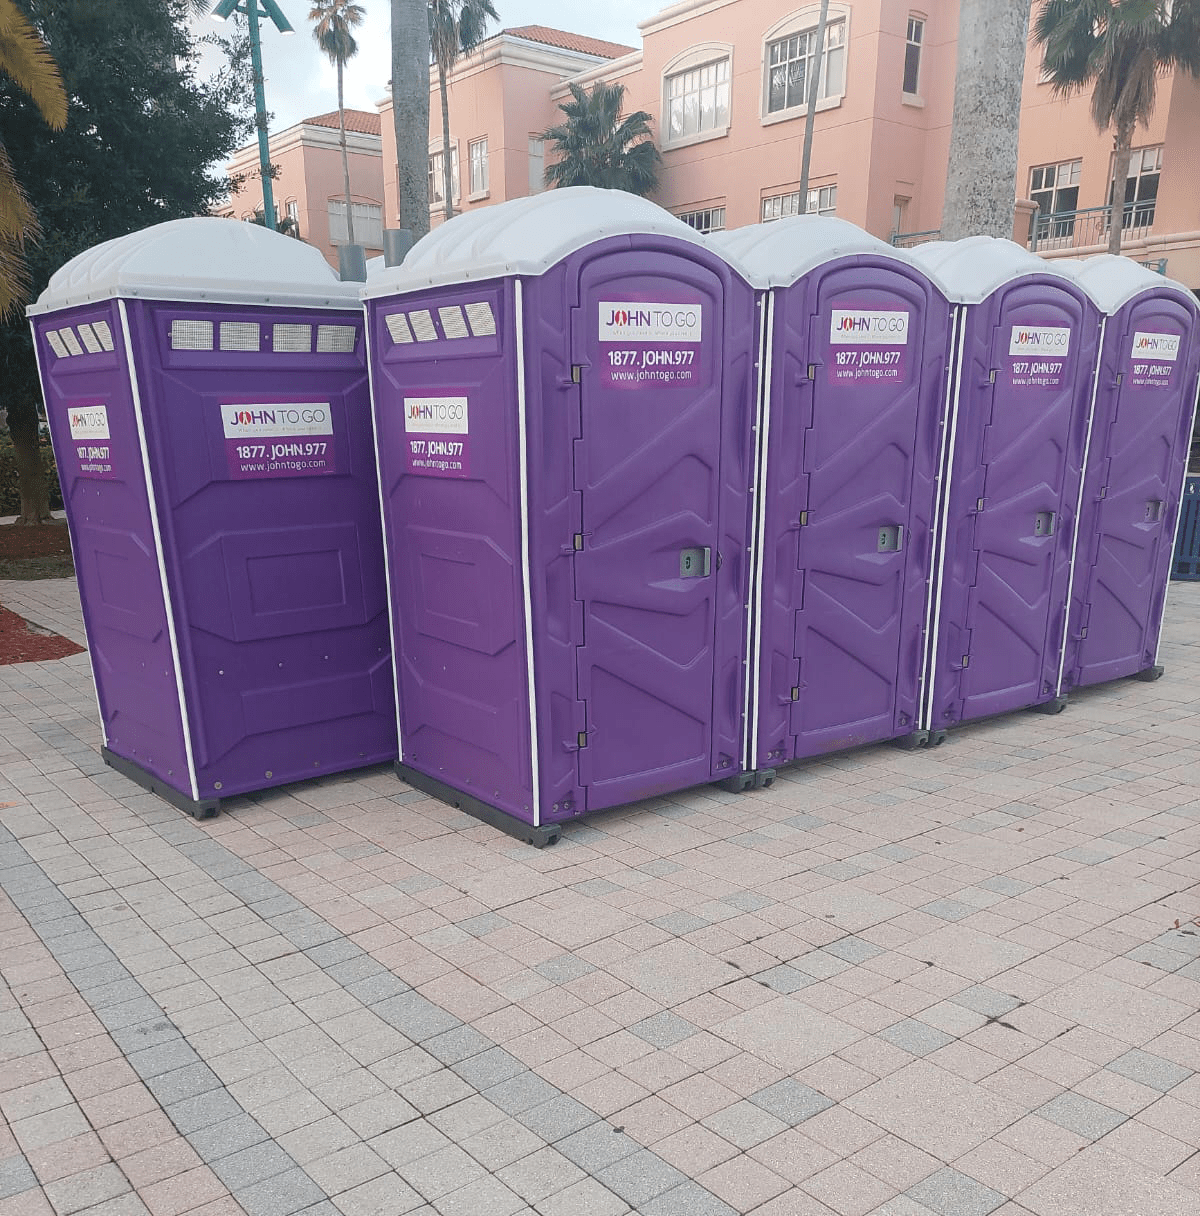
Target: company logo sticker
1039, 340
647, 321
1156, 346
861, 327
88, 421
276, 419
436, 416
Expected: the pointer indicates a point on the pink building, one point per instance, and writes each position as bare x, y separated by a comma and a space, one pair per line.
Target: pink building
310, 188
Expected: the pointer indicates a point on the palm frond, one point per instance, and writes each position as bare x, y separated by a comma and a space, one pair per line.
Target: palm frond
27, 61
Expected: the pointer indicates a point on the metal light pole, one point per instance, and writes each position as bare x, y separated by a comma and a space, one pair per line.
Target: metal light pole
814, 88
222, 12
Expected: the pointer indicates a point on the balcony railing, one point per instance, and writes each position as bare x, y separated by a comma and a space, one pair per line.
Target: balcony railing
910, 240
1087, 227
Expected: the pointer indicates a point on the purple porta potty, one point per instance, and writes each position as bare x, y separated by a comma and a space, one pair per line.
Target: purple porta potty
855, 347
563, 388
1025, 358
206, 386
1136, 463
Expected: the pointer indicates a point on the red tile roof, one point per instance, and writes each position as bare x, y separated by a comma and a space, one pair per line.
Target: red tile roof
356, 120
570, 42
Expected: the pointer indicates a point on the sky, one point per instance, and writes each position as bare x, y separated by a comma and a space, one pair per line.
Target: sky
301, 82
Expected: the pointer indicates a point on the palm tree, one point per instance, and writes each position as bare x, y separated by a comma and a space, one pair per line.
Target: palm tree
456, 27
26, 60
1119, 48
334, 20
595, 146
410, 112
980, 195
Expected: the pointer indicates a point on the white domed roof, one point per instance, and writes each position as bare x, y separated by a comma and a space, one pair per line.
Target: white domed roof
202, 258
1113, 281
524, 236
971, 269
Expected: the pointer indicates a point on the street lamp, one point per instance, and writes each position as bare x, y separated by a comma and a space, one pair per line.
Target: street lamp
222, 12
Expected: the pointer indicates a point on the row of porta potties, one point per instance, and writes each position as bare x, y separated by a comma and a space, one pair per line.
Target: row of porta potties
657, 509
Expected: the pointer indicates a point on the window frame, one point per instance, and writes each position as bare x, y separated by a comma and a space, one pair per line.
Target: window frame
436, 148
540, 160
339, 205
787, 208
699, 56
1137, 215
691, 212
1061, 229
914, 94
801, 21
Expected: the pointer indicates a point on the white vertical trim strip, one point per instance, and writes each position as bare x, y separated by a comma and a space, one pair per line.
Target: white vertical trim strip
946, 475
1087, 449
37, 358
1171, 538
383, 524
754, 623
158, 549
526, 586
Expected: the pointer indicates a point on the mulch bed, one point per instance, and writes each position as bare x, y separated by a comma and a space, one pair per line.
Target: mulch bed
25, 553
43, 551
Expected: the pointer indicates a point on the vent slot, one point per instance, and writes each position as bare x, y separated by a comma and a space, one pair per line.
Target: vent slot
239, 335
56, 344
397, 324
291, 339
68, 336
422, 323
336, 339
453, 324
103, 332
89, 339
483, 323
191, 335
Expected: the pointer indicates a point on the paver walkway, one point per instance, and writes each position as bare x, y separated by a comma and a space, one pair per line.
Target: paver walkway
956, 982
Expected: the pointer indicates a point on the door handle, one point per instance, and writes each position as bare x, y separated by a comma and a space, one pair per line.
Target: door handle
695, 562
1043, 523
1154, 510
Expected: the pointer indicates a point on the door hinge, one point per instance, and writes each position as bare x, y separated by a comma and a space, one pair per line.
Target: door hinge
581, 738
795, 694
576, 372
577, 542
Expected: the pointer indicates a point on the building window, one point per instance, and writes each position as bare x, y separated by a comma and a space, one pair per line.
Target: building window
1141, 188
368, 223
293, 214
537, 165
705, 219
790, 66
477, 157
822, 200
912, 55
1055, 189
698, 101
436, 176
899, 214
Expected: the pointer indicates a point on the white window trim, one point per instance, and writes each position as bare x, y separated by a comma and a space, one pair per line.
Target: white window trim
694, 57
477, 195
806, 18
436, 146
914, 99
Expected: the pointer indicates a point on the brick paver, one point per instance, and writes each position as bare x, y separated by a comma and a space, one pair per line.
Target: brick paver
955, 981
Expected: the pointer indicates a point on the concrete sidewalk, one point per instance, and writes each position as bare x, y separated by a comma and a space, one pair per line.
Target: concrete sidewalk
957, 982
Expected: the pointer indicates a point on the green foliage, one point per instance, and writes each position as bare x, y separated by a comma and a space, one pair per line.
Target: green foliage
596, 146
143, 142
10, 496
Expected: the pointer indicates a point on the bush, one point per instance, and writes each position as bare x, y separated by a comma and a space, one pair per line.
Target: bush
10, 494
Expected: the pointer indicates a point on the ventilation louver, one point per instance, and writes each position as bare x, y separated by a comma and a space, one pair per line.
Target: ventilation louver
336, 339
483, 323
453, 325
239, 335
292, 338
191, 335
422, 323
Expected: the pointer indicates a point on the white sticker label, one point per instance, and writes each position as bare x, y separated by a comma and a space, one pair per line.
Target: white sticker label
1156, 346
282, 418
1039, 340
858, 327
88, 421
646, 321
436, 415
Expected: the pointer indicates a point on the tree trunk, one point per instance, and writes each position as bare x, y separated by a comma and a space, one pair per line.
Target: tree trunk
31, 477
447, 175
1116, 208
980, 184
345, 159
410, 112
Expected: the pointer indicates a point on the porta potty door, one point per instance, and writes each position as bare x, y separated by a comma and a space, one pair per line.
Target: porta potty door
1026, 416
1131, 496
857, 394
646, 337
